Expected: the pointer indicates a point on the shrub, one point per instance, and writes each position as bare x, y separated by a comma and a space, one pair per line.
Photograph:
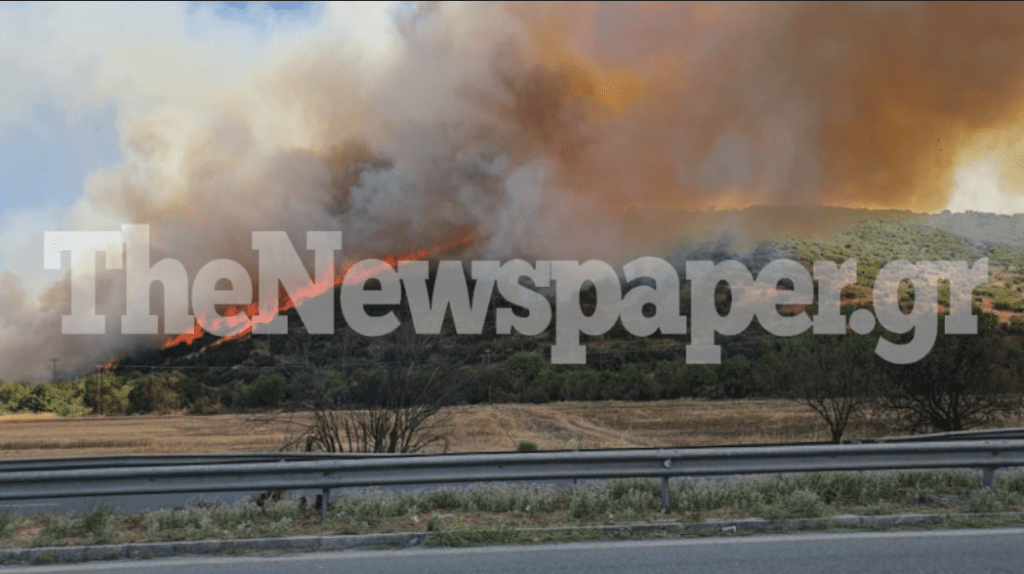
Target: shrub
11, 395
580, 384
155, 394
527, 446
99, 525
114, 392
58, 398
192, 392
526, 366
269, 390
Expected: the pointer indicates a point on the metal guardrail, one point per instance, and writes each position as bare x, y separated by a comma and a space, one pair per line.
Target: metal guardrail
990, 434
152, 460
387, 470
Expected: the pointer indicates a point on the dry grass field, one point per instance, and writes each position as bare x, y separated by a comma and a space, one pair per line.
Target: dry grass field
615, 424
479, 428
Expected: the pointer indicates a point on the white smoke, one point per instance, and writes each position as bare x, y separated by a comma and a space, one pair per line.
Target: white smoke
536, 128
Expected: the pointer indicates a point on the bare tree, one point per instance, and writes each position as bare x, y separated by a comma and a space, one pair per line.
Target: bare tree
957, 386
836, 379
388, 399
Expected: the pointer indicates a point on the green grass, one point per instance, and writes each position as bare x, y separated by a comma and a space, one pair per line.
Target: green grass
491, 514
243, 520
8, 524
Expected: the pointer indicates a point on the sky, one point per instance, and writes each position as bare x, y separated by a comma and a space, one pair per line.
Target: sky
105, 106
65, 109
52, 136
45, 155
48, 149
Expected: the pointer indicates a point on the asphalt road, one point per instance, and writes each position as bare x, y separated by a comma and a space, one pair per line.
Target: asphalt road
934, 552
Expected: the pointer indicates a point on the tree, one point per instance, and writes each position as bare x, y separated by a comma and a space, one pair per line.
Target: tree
389, 401
836, 378
674, 379
957, 386
737, 376
12, 394
155, 393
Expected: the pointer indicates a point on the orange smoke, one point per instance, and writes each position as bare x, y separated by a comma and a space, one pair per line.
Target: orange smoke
842, 104
247, 317
559, 130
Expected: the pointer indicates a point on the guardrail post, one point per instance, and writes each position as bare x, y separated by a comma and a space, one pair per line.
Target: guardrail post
325, 500
988, 478
666, 502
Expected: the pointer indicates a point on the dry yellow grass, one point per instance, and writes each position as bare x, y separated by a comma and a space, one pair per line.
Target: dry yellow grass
614, 424
479, 428
138, 434
25, 417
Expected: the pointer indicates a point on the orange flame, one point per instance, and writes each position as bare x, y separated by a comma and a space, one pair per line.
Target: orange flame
245, 318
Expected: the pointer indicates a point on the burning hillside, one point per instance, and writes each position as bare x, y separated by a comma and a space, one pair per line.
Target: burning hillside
542, 131
243, 320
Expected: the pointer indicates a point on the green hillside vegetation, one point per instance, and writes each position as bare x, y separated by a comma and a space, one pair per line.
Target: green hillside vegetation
257, 373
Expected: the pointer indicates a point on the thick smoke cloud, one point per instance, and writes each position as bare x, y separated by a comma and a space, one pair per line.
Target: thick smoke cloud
544, 130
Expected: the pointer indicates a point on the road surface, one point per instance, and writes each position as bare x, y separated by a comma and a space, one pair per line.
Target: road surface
934, 552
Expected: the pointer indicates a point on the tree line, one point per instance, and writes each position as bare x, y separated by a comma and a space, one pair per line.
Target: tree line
387, 395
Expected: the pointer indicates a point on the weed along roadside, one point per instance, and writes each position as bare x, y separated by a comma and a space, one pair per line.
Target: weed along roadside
505, 514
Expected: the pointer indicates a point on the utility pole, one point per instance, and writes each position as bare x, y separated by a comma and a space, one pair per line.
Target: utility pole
54, 361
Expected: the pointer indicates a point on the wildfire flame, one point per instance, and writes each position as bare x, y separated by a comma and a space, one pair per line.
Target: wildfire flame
243, 319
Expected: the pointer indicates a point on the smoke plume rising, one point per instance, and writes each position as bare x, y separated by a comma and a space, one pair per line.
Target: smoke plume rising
544, 130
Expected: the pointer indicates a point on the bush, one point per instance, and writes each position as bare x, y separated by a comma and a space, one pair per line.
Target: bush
580, 384
58, 398
675, 379
332, 386
155, 394
205, 406
193, 392
1017, 324
527, 446
627, 383
546, 387
269, 391
35, 401
737, 377
99, 525
526, 366
11, 395
114, 391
